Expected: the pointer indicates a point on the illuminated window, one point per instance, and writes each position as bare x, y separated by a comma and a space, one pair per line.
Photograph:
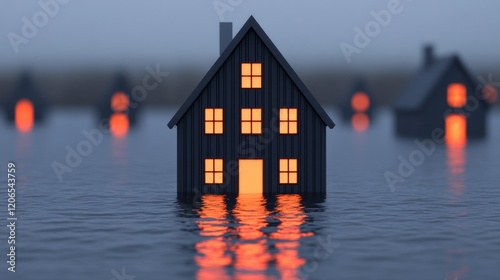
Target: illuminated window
251, 121
251, 75
288, 171
213, 121
288, 121
457, 95
213, 171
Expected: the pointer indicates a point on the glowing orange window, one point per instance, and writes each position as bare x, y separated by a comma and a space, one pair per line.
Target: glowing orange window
251, 121
213, 121
457, 95
24, 115
251, 75
119, 102
213, 171
288, 171
288, 121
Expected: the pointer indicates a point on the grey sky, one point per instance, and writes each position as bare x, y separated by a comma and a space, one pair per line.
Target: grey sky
109, 33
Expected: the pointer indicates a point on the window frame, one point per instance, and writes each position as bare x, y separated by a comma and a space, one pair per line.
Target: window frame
251, 75
292, 176
212, 123
287, 124
253, 124
213, 171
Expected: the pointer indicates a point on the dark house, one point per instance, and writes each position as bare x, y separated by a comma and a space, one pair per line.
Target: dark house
25, 106
251, 125
444, 97
117, 107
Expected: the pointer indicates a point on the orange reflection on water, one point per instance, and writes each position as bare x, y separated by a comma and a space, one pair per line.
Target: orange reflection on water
251, 252
24, 115
212, 255
119, 124
456, 169
455, 130
292, 216
360, 122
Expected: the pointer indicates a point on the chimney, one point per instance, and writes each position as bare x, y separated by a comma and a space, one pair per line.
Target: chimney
428, 55
225, 35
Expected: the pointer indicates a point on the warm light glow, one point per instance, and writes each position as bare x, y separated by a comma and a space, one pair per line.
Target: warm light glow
119, 102
214, 121
251, 121
457, 95
213, 256
214, 171
456, 130
251, 251
288, 171
490, 94
291, 214
251, 75
119, 124
288, 120
251, 178
24, 115
360, 122
360, 102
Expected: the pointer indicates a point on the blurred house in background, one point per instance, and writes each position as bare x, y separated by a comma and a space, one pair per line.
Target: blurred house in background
442, 95
116, 108
357, 105
25, 106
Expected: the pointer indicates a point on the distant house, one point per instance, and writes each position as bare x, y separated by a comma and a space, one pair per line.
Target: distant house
251, 125
25, 106
442, 96
357, 105
117, 107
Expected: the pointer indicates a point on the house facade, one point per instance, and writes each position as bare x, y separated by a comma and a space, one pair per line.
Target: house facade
251, 125
441, 97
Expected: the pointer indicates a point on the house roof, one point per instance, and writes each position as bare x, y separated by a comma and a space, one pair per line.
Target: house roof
422, 84
251, 24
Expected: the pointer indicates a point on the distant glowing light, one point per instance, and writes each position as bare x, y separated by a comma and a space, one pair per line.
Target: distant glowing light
457, 95
490, 94
360, 122
119, 102
24, 115
360, 102
456, 130
119, 124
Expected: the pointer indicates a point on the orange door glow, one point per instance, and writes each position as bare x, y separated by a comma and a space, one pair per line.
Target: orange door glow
24, 115
118, 124
251, 175
456, 130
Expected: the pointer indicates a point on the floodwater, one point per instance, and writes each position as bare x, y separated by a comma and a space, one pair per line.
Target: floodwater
115, 214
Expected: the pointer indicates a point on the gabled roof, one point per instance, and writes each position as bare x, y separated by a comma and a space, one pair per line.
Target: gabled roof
251, 24
427, 78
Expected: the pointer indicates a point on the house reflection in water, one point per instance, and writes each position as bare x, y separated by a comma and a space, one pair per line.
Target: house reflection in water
250, 237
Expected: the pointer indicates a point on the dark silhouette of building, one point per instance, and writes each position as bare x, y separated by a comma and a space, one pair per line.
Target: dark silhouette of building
251, 125
441, 97
26, 94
